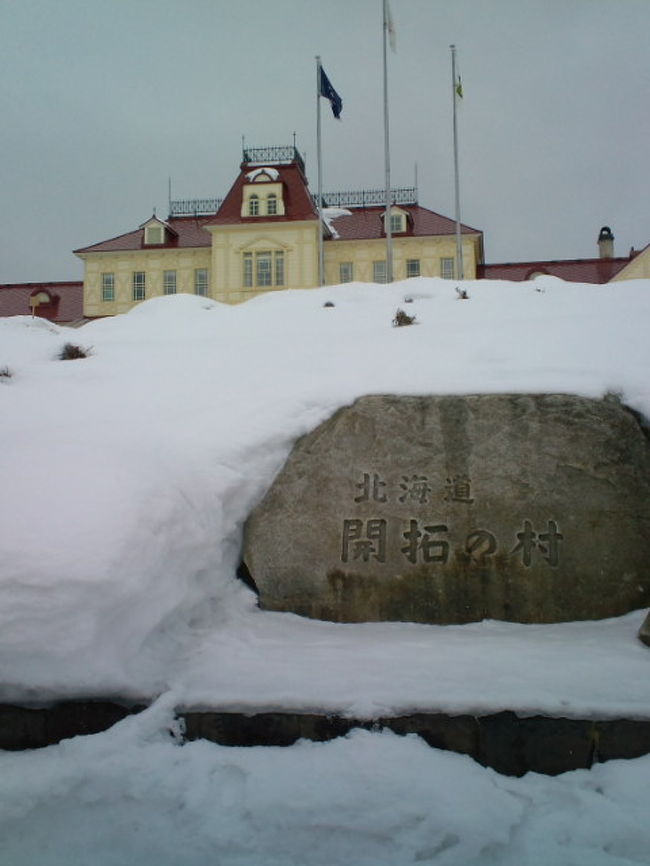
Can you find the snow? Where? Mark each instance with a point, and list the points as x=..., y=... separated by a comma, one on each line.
x=127, y=477
x=273, y=173
x=133, y=795
x=332, y=213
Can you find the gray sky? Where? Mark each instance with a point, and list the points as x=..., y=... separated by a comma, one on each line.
x=102, y=100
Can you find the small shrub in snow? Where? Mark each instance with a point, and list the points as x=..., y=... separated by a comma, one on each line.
x=70, y=352
x=328, y=304
x=462, y=294
x=408, y=300
x=5, y=373
x=402, y=318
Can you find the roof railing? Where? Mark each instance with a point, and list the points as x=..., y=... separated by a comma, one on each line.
x=347, y=198
x=368, y=197
x=281, y=155
x=194, y=206
x=275, y=155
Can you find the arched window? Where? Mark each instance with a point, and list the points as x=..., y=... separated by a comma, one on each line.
x=253, y=206
x=272, y=204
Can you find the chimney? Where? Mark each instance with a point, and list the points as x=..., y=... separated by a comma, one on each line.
x=606, y=243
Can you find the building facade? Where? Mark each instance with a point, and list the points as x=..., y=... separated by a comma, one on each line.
x=605, y=268
x=58, y=301
x=264, y=236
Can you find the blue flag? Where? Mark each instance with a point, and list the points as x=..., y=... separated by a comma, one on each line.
x=325, y=89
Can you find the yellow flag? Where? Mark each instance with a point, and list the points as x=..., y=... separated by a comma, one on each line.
x=390, y=27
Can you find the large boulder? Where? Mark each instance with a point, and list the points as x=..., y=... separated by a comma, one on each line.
x=644, y=631
x=529, y=508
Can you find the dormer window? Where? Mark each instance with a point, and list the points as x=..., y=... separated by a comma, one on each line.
x=263, y=194
x=154, y=234
x=157, y=232
x=398, y=220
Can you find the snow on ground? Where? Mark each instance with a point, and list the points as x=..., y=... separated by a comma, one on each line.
x=134, y=797
x=126, y=480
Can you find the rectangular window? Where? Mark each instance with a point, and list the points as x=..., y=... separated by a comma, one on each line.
x=395, y=223
x=201, y=281
x=279, y=268
x=379, y=271
x=271, y=205
x=345, y=272
x=108, y=287
x=413, y=267
x=169, y=282
x=263, y=267
x=139, y=285
x=248, y=270
x=447, y=268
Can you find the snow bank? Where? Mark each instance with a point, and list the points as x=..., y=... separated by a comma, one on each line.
x=133, y=795
x=128, y=476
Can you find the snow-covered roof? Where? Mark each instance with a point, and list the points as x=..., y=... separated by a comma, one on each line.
x=330, y=214
x=273, y=173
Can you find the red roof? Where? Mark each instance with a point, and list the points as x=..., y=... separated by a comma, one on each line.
x=366, y=223
x=66, y=304
x=186, y=232
x=573, y=270
x=362, y=223
x=298, y=203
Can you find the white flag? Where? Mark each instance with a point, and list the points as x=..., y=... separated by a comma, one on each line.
x=390, y=26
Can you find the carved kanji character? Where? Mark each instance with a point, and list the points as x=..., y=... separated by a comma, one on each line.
x=416, y=489
x=364, y=541
x=371, y=489
x=458, y=489
x=432, y=549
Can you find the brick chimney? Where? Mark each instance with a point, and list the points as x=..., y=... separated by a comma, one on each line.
x=606, y=243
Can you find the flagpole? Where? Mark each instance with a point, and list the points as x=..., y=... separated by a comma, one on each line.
x=319, y=159
x=389, y=236
x=459, y=243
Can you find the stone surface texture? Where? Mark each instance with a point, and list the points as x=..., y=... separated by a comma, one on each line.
x=508, y=743
x=451, y=509
x=644, y=631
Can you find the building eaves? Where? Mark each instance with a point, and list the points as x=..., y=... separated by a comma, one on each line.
x=68, y=296
x=596, y=270
x=367, y=223
x=186, y=232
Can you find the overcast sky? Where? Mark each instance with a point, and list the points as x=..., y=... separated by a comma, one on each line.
x=102, y=100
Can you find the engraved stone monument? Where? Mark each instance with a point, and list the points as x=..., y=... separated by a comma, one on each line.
x=529, y=508
x=644, y=631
